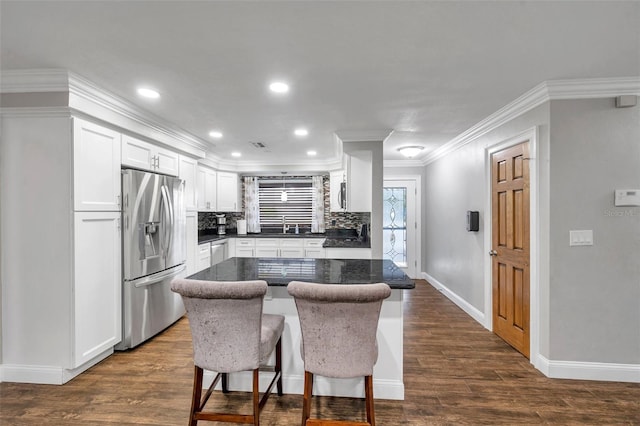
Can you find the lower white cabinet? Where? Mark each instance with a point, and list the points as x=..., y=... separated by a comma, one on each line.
x=313, y=248
x=97, y=318
x=245, y=247
x=279, y=247
x=204, y=256
x=348, y=253
x=192, y=242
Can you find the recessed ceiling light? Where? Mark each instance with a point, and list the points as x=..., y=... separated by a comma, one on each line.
x=236, y=154
x=148, y=93
x=301, y=132
x=311, y=153
x=279, y=87
x=410, y=151
x=215, y=134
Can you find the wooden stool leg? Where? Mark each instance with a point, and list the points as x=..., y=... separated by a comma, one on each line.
x=225, y=382
x=197, y=393
x=368, y=391
x=279, y=365
x=306, y=399
x=256, y=397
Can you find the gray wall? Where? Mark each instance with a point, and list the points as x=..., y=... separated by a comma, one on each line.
x=589, y=296
x=595, y=290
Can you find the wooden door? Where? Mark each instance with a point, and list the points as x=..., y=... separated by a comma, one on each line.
x=510, y=245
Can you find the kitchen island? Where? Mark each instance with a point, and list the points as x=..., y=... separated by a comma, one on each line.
x=278, y=272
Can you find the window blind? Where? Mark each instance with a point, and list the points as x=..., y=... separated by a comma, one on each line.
x=296, y=210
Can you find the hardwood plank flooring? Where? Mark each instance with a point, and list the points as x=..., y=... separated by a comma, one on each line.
x=456, y=373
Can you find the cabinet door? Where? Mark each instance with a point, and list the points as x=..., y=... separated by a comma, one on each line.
x=96, y=167
x=204, y=257
x=206, y=189
x=192, y=242
x=348, y=253
x=188, y=172
x=166, y=161
x=267, y=252
x=359, y=177
x=97, y=321
x=292, y=252
x=314, y=253
x=245, y=251
x=137, y=153
x=227, y=194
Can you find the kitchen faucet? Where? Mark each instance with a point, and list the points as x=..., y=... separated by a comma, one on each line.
x=285, y=227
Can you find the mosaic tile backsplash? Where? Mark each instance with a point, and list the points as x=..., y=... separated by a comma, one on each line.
x=333, y=220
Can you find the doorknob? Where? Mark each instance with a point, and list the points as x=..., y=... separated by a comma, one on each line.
x=493, y=253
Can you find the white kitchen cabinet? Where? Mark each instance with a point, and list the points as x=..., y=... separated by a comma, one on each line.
x=313, y=248
x=245, y=247
x=204, y=256
x=146, y=156
x=347, y=253
x=97, y=317
x=206, y=189
x=267, y=247
x=192, y=242
x=188, y=173
x=228, y=194
x=291, y=247
x=336, y=178
x=96, y=161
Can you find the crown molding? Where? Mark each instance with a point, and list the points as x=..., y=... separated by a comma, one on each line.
x=377, y=135
x=87, y=98
x=591, y=88
x=403, y=163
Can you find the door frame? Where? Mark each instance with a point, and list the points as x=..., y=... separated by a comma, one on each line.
x=530, y=135
x=417, y=179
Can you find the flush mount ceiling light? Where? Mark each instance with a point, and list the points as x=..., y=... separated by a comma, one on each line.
x=301, y=132
x=236, y=154
x=311, y=153
x=215, y=134
x=146, y=92
x=279, y=87
x=410, y=151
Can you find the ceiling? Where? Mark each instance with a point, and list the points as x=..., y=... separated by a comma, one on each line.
x=426, y=70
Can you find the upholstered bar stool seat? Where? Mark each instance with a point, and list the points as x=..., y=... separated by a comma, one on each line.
x=338, y=324
x=230, y=334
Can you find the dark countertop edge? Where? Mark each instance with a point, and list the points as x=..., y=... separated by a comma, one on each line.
x=393, y=285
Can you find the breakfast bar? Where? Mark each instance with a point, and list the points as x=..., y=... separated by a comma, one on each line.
x=278, y=272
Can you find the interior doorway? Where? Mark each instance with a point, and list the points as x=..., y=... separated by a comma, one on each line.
x=510, y=245
x=400, y=227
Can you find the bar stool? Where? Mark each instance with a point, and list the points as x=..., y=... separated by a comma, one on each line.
x=338, y=324
x=230, y=334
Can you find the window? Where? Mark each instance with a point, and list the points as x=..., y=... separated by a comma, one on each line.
x=297, y=209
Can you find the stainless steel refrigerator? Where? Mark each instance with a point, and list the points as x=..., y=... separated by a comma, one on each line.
x=154, y=252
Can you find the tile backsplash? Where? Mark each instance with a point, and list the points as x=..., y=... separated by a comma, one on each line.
x=333, y=220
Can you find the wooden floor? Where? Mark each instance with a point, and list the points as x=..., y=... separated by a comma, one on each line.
x=456, y=372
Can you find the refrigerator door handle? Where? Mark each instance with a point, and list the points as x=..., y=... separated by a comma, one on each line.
x=169, y=215
x=156, y=278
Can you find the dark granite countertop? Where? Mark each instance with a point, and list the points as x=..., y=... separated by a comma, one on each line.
x=332, y=240
x=280, y=271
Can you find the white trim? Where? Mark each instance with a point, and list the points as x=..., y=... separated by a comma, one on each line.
x=378, y=135
x=41, y=112
x=402, y=163
x=322, y=386
x=48, y=375
x=543, y=92
x=471, y=310
x=34, y=80
x=530, y=135
x=590, y=370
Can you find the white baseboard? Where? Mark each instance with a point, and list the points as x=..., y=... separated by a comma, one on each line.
x=44, y=374
x=322, y=386
x=589, y=370
x=460, y=302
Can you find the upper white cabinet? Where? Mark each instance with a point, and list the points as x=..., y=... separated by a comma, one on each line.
x=97, y=319
x=96, y=167
x=359, y=177
x=188, y=172
x=228, y=193
x=206, y=189
x=143, y=155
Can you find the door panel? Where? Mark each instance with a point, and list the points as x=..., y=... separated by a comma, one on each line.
x=510, y=222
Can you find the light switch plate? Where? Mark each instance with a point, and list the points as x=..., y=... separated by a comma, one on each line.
x=581, y=238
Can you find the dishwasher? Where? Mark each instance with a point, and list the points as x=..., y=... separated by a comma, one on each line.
x=219, y=252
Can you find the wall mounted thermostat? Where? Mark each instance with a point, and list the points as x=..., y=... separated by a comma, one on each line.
x=627, y=198
x=473, y=221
